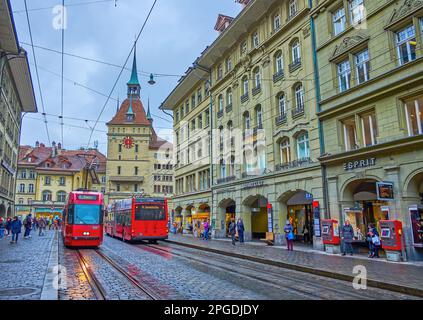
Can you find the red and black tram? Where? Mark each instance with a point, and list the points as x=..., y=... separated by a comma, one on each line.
x=140, y=218
x=82, y=223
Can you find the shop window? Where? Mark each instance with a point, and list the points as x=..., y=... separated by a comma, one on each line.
x=369, y=129
x=350, y=134
x=339, y=21
x=344, y=75
x=362, y=66
x=406, y=44
x=285, y=151
x=303, y=146
x=414, y=116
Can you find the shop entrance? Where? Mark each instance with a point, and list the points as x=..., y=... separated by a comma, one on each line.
x=188, y=226
x=415, y=209
x=259, y=223
x=178, y=220
x=199, y=217
x=300, y=214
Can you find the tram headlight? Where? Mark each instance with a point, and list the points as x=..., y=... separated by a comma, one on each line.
x=86, y=233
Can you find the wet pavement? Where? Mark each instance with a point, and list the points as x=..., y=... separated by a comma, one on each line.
x=401, y=274
x=23, y=266
x=170, y=271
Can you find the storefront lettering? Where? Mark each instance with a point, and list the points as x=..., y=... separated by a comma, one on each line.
x=352, y=165
x=254, y=184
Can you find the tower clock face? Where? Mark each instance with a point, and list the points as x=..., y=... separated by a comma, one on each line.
x=128, y=142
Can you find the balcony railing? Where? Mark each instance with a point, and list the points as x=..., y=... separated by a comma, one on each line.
x=220, y=114
x=299, y=110
x=229, y=108
x=280, y=119
x=256, y=90
x=294, y=164
x=295, y=65
x=278, y=76
x=226, y=179
x=245, y=97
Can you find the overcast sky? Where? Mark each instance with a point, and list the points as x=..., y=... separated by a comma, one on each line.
x=177, y=32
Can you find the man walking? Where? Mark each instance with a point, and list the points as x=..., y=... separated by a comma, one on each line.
x=240, y=228
x=16, y=229
x=28, y=226
x=8, y=226
x=41, y=226
x=347, y=234
x=232, y=230
x=206, y=230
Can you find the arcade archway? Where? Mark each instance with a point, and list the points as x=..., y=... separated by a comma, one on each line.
x=178, y=219
x=2, y=211
x=227, y=210
x=256, y=206
x=9, y=212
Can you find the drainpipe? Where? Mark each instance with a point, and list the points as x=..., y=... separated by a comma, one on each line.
x=318, y=109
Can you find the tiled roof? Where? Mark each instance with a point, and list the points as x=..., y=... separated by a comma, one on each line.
x=137, y=108
x=65, y=160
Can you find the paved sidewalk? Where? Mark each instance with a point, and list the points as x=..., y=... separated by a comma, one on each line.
x=23, y=266
x=401, y=277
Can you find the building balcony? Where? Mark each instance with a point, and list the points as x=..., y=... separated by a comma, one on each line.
x=229, y=108
x=278, y=76
x=256, y=90
x=295, y=65
x=294, y=164
x=127, y=179
x=298, y=111
x=280, y=119
x=4, y=191
x=226, y=179
x=220, y=114
x=245, y=98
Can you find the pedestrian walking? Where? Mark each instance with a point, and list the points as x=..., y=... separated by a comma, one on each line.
x=28, y=226
x=347, y=236
x=206, y=230
x=16, y=228
x=1, y=228
x=306, y=234
x=232, y=230
x=289, y=235
x=34, y=224
x=240, y=229
x=8, y=226
x=375, y=240
x=41, y=226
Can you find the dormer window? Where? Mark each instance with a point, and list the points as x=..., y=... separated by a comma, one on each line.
x=130, y=117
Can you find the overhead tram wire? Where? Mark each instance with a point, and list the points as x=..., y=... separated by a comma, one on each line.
x=36, y=71
x=141, y=73
x=63, y=66
x=121, y=71
x=69, y=5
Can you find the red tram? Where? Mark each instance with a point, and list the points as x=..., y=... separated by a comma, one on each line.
x=140, y=218
x=82, y=223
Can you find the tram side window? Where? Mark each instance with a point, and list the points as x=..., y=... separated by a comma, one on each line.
x=71, y=211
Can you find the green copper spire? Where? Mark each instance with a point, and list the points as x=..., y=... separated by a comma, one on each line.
x=134, y=76
x=149, y=117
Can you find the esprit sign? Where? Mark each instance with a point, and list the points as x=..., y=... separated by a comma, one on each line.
x=365, y=163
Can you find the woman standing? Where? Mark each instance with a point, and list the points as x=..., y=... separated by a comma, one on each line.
x=289, y=235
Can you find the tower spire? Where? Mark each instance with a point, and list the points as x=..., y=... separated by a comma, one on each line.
x=149, y=117
x=134, y=86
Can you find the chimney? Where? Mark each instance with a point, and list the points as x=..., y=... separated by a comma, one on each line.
x=222, y=23
x=53, y=144
x=59, y=146
x=37, y=144
x=243, y=2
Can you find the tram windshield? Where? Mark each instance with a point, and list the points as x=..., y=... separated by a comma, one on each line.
x=84, y=214
x=149, y=212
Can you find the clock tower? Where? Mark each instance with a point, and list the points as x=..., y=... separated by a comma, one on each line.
x=132, y=150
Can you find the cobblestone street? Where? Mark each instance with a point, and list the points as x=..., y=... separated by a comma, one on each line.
x=168, y=271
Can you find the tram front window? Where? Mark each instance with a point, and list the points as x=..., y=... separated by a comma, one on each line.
x=86, y=214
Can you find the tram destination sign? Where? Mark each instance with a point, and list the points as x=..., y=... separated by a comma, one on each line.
x=357, y=164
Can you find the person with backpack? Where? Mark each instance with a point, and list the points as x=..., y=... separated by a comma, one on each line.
x=375, y=240
x=232, y=230
x=16, y=228
x=289, y=235
x=28, y=226
x=240, y=228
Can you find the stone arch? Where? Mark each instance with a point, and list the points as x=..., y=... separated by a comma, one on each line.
x=9, y=212
x=350, y=184
x=413, y=185
x=255, y=215
x=226, y=211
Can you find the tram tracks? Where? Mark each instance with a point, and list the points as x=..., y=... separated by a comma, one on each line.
x=288, y=283
x=98, y=289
